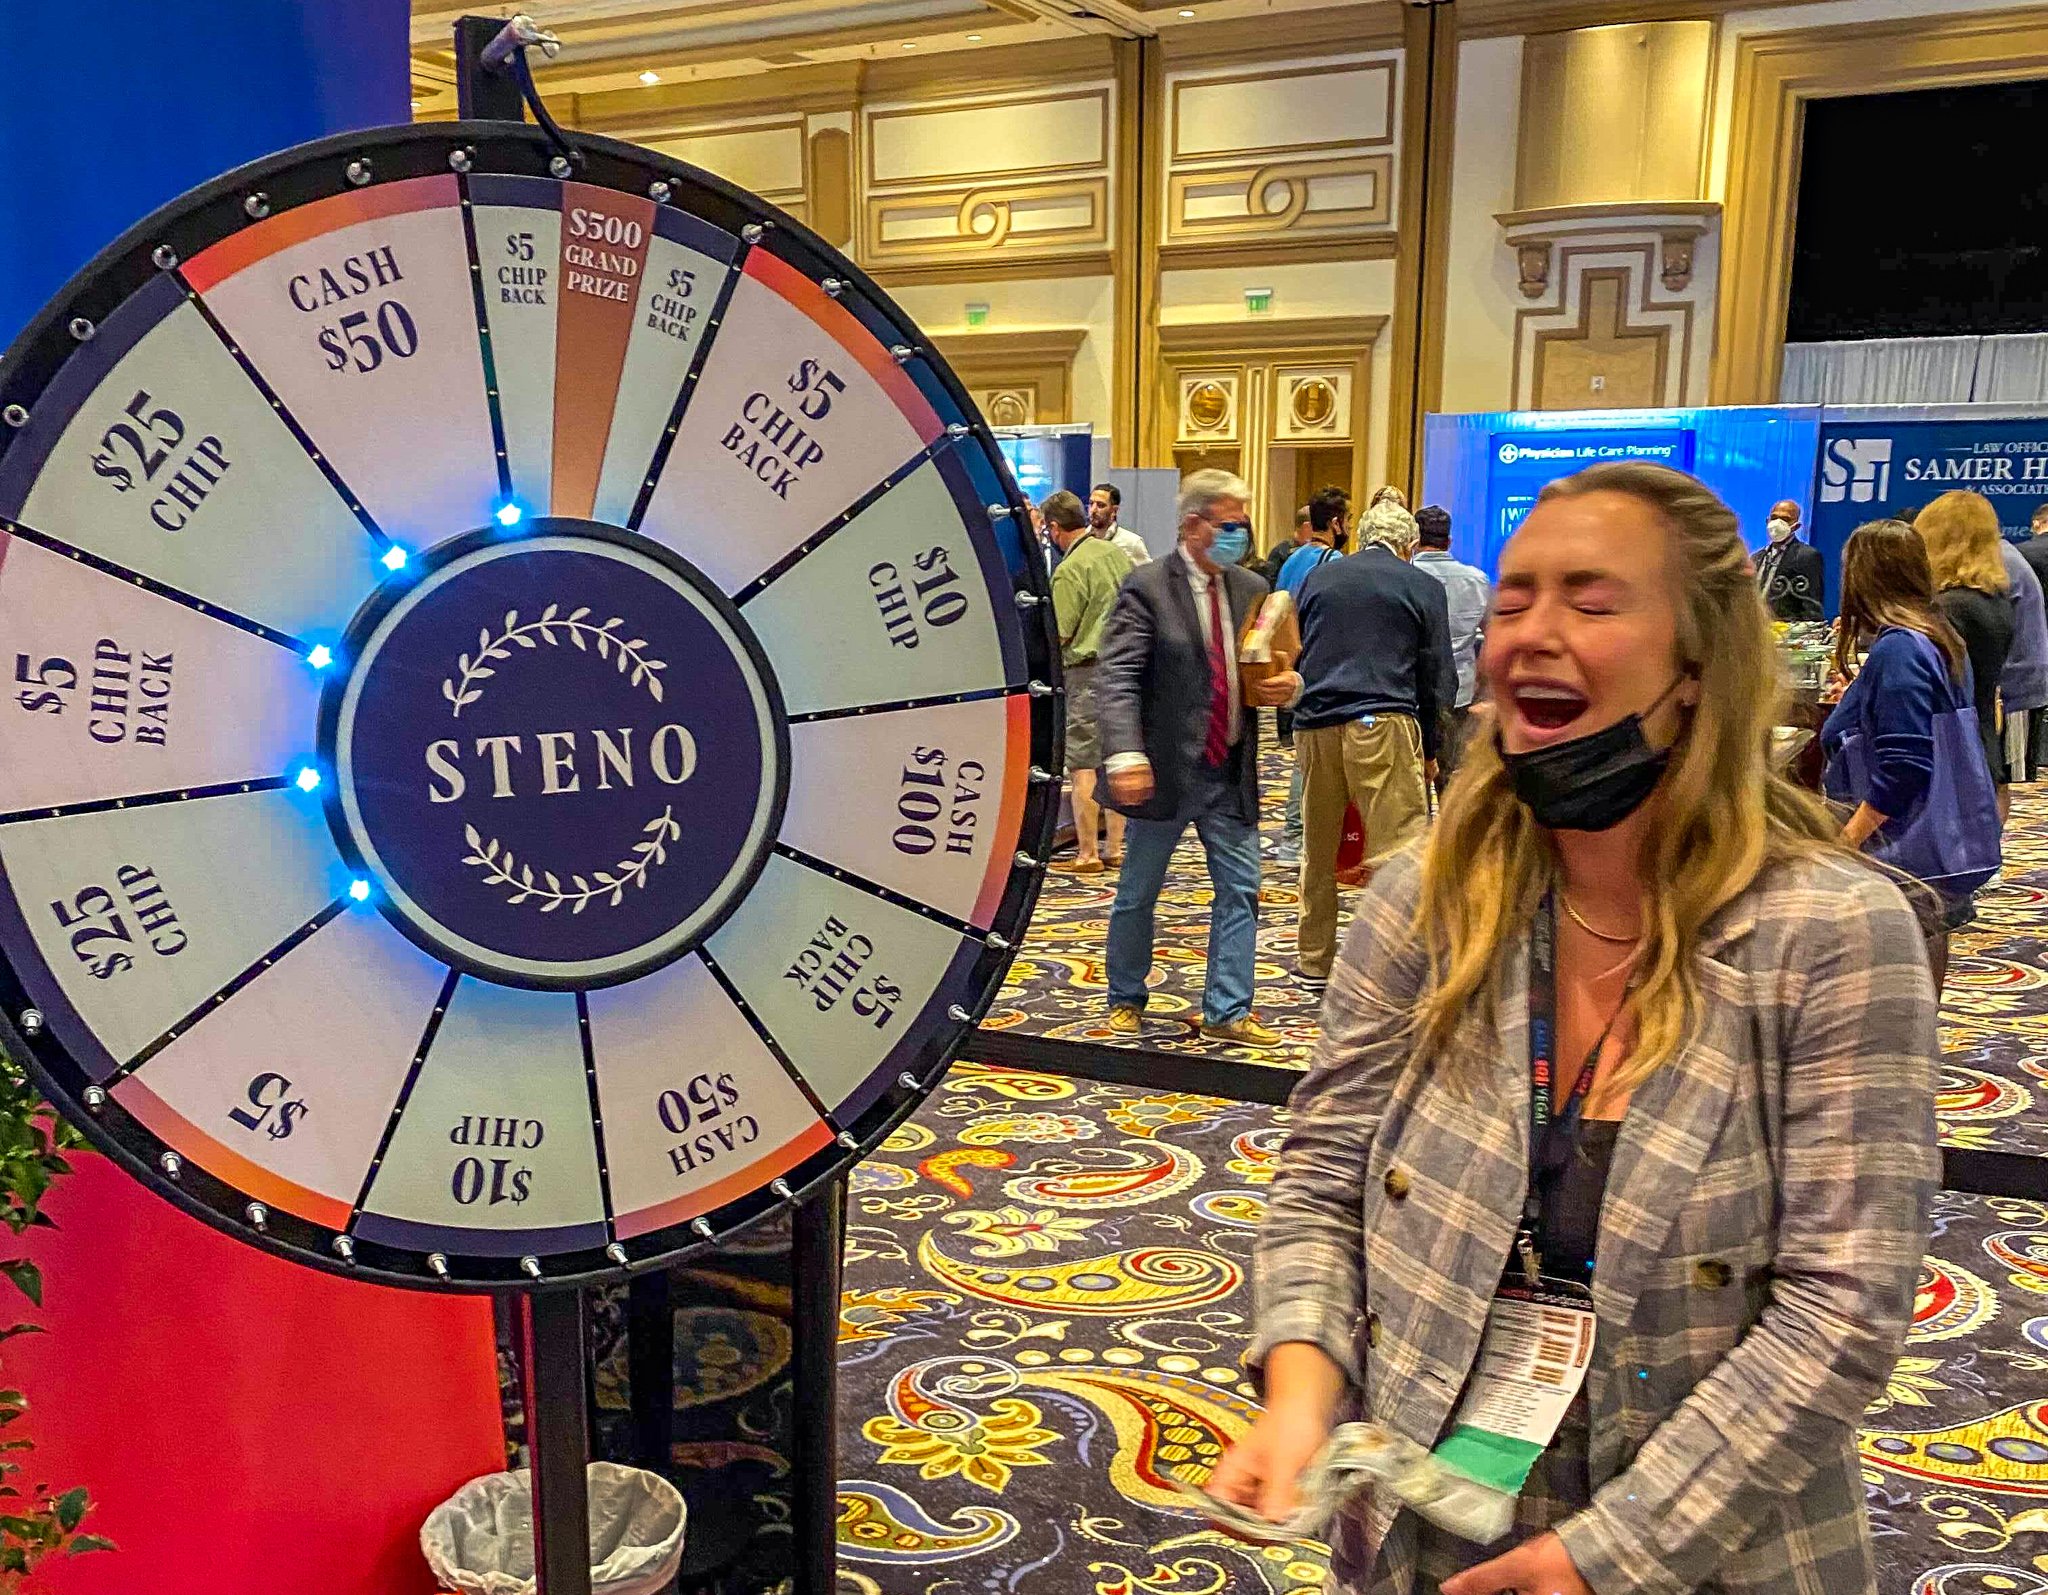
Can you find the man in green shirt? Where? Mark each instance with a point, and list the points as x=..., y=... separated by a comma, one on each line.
x=1084, y=585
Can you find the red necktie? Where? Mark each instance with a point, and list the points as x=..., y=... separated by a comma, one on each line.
x=1217, y=748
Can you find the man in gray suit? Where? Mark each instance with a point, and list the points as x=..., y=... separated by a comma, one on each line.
x=1181, y=747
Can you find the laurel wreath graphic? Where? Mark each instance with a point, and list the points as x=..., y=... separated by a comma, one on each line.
x=551, y=628
x=502, y=869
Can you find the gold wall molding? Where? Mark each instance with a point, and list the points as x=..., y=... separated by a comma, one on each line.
x=1275, y=199
x=952, y=123
x=1134, y=295
x=968, y=273
x=1030, y=368
x=1430, y=45
x=1775, y=75
x=1286, y=252
x=781, y=144
x=1233, y=392
x=1483, y=19
x=830, y=188
x=1535, y=234
x=1009, y=177
x=1608, y=319
x=1301, y=337
x=1376, y=25
x=1242, y=164
x=822, y=86
x=1031, y=68
x=1021, y=220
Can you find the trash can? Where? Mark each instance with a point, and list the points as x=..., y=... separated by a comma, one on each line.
x=480, y=1540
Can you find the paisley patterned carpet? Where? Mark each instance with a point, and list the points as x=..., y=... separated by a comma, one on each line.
x=1995, y=1091
x=1046, y=1298
x=1058, y=985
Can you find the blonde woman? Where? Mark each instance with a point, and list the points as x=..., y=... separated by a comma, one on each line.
x=1630, y=946
x=1975, y=597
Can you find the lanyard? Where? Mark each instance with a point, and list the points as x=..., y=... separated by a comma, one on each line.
x=1543, y=1109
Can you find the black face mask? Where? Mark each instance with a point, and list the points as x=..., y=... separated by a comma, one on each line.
x=1594, y=782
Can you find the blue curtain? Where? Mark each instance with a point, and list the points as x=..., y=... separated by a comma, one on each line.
x=116, y=106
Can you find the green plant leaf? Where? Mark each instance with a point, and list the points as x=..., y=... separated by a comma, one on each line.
x=27, y=1278
x=70, y=1508
x=89, y=1542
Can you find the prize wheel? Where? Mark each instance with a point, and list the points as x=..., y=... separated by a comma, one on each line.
x=528, y=707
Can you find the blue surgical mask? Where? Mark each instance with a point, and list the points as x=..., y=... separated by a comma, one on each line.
x=1233, y=542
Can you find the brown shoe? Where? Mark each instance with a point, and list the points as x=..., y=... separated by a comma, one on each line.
x=1113, y=860
x=1246, y=1032
x=1080, y=866
x=1126, y=1021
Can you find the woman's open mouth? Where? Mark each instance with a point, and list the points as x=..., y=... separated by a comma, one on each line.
x=1545, y=706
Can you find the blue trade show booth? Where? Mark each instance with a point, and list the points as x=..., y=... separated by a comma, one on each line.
x=1843, y=465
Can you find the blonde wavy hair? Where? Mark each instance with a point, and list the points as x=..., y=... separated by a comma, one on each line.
x=1961, y=533
x=1725, y=813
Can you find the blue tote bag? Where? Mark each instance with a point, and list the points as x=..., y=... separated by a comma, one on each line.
x=1950, y=838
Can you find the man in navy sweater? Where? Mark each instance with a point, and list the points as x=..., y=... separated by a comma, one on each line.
x=1377, y=676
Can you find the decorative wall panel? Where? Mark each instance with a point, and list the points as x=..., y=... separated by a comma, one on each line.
x=1312, y=404
x=1208, y=406
x=1275, y=400
x=1302, y=152
x=1620, y=313
x=961, y=178
x=768, y=155
x=1021, y=378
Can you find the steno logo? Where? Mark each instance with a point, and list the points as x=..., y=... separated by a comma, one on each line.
x=560, y=759
x=1858, y=470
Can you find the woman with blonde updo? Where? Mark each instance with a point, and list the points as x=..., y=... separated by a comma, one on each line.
x=1630, y=1018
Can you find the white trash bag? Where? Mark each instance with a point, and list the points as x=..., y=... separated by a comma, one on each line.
x=480, y=1540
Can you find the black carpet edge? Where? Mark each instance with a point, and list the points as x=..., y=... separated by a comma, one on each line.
x=1967, y=1171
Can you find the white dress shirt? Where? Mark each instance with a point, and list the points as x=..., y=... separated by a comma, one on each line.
x=1198, y=584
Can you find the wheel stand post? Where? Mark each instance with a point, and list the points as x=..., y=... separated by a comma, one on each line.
x=818, y=1236
x=481, y=92
x=551, y=1359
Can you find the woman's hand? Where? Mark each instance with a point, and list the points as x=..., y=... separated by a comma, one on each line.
x=1262, y=1470
x=1539, y=1567
x=1303, y=1387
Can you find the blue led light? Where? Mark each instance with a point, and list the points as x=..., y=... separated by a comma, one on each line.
x=321, y=656
x=510, y=514
x=359, y=890
x=394, y=558
x=307, y=779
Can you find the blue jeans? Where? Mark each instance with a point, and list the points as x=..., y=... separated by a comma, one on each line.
x=1232, y=848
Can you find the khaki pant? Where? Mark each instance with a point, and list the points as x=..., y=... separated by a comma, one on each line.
x=1376, y=764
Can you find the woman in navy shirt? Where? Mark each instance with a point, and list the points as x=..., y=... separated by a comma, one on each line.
x=1892, y=699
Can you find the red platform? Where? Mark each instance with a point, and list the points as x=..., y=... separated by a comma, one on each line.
x=246, y=1426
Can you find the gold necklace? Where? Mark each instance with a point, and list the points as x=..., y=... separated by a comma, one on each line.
x=1593, y=930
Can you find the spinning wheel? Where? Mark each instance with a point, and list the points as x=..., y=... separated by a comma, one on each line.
x=525, y=728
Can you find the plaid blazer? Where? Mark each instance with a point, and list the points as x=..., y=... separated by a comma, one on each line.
x=1759, y=1242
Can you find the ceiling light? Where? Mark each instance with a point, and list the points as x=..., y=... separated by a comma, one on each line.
x=974, y=38
x=650, y=78
x=1185, y=12
x=908, y=45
